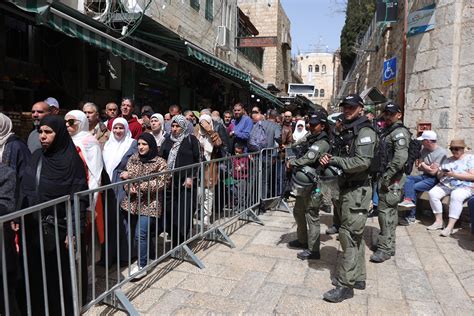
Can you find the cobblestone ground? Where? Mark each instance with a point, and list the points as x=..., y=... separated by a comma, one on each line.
x=429, y=275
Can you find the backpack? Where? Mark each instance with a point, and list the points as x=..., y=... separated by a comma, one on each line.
x=383, y=153
x=258, y=138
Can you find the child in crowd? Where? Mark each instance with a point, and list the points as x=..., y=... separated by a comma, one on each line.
x=240, y=174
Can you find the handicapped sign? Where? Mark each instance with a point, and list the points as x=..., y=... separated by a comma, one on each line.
x=389, y=74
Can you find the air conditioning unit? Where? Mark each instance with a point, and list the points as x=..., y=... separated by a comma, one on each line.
x=223, y=37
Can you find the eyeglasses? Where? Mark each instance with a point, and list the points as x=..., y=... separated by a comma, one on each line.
x=456, y=148
x=70, y=122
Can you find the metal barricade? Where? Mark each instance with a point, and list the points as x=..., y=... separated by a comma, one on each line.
x=37, y=247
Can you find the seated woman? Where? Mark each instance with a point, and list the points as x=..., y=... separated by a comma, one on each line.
x=144, y=200
x=456, y=176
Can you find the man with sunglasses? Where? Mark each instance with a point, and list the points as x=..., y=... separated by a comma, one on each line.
x=394, y=141
x=353, y=154
x=431, y=156
x=38, y=111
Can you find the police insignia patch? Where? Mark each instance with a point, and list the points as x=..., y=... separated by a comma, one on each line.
x=365, y=140
x=311, y=155
x=402, y=142
x=399, y=135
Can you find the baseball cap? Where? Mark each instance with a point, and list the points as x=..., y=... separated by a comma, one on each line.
x=317, y=118
x=353, y=100
x=52, y=102
x=392, y=108
x=428, y=135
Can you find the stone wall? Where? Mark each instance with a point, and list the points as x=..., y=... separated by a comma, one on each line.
x=439, y=86
x=270, y=19
x=322, y=80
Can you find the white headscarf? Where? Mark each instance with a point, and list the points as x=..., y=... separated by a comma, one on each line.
x=5, y=132
x=160, y=137
x=204, y=138
x=115, y=149
x=297, y=135
x=89, y=147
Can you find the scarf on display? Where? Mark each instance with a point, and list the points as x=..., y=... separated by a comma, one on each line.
x=89, y=147
x=297, y=135
x=160, y=137
x=5, y=132
x=152, y=152
x=204, y=138
x=181, y=121
x=115, y=148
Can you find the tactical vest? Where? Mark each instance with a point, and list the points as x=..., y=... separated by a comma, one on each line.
x=344, y=143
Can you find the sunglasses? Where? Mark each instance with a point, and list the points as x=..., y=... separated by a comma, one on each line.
x=456, y=148
x=70, y=122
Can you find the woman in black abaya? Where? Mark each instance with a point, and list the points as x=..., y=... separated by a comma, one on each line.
x=55, y=171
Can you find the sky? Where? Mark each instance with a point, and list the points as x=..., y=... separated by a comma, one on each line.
x=314, y=23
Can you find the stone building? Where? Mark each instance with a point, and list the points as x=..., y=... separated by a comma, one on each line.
x=319, y=69
x=435, y=83
x=271, y=20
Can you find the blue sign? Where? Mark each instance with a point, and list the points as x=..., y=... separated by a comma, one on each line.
x=422, y=20
x=389, y=71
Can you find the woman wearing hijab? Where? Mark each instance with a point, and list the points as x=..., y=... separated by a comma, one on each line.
x=117, y=151
x=157, y=122
x=212, y=147
x=181, y=149
x=53, y=172
x=144, y=200
x=14, y=153
x=300, y=131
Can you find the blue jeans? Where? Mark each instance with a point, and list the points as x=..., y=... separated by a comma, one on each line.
x=415, y=184
x=143, y=237
x=470, y=205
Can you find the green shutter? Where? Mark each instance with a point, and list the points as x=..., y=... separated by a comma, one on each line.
x=194, y=4
x=209, y=10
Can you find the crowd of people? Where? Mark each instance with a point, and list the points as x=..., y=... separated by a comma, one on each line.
x=89, y=148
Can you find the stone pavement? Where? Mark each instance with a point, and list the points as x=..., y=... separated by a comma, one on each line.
x=429, y=275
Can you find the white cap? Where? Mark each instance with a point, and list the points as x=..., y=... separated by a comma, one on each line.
x=428, y=135
x=52, y=102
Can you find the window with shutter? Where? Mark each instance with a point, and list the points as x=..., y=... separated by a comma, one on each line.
x=209, y=10
x=194, y=4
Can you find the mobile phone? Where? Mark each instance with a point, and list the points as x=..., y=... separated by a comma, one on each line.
x=445, y=170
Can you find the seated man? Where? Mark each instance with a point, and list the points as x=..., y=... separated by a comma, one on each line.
x=431, y=156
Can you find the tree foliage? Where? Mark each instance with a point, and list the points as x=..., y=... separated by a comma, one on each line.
x=359, y=14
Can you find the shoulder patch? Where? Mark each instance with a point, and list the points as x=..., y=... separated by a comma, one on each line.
x=311, y=154
x=366, y=140
x=402, y=142
x=315, y=147
x=399, y=135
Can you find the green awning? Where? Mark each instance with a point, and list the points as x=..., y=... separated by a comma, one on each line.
x=216, y=63
x=264, y=93
x=75, y=24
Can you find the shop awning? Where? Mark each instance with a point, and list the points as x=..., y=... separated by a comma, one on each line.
x=75, y=24
x=208, y=59
x=264, y=93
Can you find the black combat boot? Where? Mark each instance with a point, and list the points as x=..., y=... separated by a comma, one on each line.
x=338, y=294
x=296, y=244
x=309, y=255
x=379, y=257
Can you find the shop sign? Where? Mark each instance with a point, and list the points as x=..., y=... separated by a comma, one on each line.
x=262, y=41
x=421, y=21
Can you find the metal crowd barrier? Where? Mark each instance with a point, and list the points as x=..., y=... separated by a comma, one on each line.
x=106, y=252
x=37, y=260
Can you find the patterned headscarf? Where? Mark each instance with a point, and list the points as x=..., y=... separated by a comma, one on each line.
x=5, y=132
x=181, y=121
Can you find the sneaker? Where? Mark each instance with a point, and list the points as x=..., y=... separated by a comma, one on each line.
x=446, y=232
x=140, y=273
x=308, y=255
x=407, y=204
x=435, y=226
x=407, y=221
